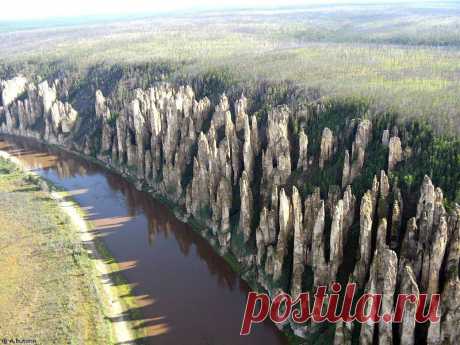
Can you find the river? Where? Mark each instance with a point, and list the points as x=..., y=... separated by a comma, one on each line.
x=186, y=293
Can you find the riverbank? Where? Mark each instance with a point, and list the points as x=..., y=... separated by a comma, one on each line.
x=59, y=280
x=196, y=225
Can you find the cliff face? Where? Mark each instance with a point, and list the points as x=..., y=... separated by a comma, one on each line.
x=40, y=114
x=244, y=182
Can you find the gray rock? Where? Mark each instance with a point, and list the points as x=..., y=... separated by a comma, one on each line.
x=12, y=89
x=408, y=286
x=285, y=225
x=246, y=208
x=327, y=147
x=365, y=239
x=395, y=153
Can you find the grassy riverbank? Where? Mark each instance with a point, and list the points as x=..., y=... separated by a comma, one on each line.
x=48, y=289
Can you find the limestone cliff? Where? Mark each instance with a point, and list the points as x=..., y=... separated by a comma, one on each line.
x=255, y=183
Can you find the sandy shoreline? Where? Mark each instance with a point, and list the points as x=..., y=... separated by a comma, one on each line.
x=113, y=307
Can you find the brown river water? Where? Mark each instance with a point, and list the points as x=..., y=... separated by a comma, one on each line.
x=187, y=294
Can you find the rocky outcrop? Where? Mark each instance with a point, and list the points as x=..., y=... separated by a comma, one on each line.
x=299, y=252
x=349, y=206
x=200, y=112
x=432, y=262
x=101, y=108
x=285, y=233
x=248, y=150
x=312, y=207
x=255, y=135
x=221, y=214
x=276, y=160
x=320, y=267
x=358, y=150
x=220, y=113
x=453, y=256
x=395, y=153
x=230, y=172
x=266, y=233
x=63, y=117
x=447, y=331
x=12, y=89
x=269, y=262
x=433, y=232
x=103, y=113
x=302, y=163
x=426, y=201
x=382, y=280
x=327, y=147
x=198, y=199
x=382, y=234
x=383, y=200
x=262, y=236
x=240, y=113
x=336, y=240
x=365, y=239
x=411, y=249
x=374, y=193
x=246, y=207
x=353, y=164
x=58, y=119
x=346, y=169
x=408, y=286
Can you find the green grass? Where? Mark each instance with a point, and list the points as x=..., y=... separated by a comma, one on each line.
x=48, y=282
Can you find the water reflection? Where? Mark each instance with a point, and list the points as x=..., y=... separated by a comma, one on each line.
x=185, y=293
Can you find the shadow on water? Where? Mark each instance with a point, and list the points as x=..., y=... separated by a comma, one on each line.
x=186, y=294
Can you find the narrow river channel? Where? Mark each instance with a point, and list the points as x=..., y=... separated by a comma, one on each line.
x=187, y=294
